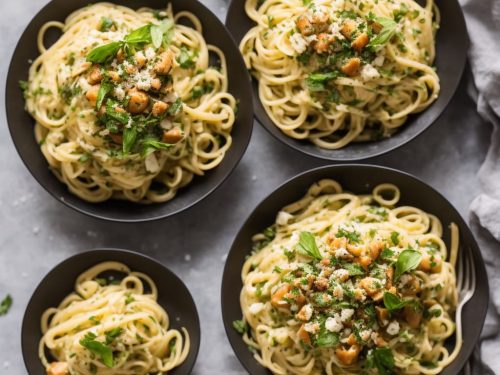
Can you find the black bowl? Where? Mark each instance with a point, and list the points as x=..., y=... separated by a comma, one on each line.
x=359, y=179
x=21, y=123
x=173, y=296
x=451, y=49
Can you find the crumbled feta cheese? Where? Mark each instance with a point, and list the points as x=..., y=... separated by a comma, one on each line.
x=151, y=163
x=369, y=72
x=335, y=31
x=342, y=253
x=298, y=43
x=119, y=93
x=379, y=60
x=393, y=328
x=280, y=335
x=283, y=218
x=346, y=314
x=311, y=327
x=256, y=308
x=365, y=335
x=333, y=324
x=143, y=80
x=404, y=280
x=150, y=53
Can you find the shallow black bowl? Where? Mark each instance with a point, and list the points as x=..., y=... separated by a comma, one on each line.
x=359, y=179
x=21, y=124
x=451, y=49
x=173, y=296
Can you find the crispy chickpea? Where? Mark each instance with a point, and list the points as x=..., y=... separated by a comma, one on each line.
x=172, y=136
x=115, y=77
x=351, y=67
x=164, y=64
x=277, y=297
x=95, y=76
x=159, y=108
x=92, y=94
x=58, y=368
x=139, y=101
x=304, y=335
x=305, y=26
x=348, y=27
x=156, y=84
x=322, y=43
x=360, y=42
x=348, y=356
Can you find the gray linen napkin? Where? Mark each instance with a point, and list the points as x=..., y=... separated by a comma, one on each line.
x=483, y=24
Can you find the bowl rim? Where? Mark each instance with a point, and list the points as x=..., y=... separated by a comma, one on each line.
x=297, y=145
x=112, y=251
x=474, y=247
x=76, y=207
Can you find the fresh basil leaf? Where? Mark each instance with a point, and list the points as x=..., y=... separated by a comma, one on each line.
x=99, y=349
x=122, y=117
x=395, y=238
x=129, y=138
x=392, y=302
x=175, y=108
x=307, y=246
x=317, y=81
x=104, y=53
x=113, y=334
x=167, y=27
x=327, y=339
x=386, y=254
x=23, y=85
x=389, y=28
x=5, y=305
x=140, y=35
x=353, y=237
x=156, y=36
x=408, y=260
x=106, y=24
x=382, y=359
x=240, y=326
x=186, y=58
x=151, y=145
x=162, y=33
x=105, y=88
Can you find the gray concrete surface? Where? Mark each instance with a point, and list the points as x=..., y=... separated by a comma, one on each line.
x=36, y=232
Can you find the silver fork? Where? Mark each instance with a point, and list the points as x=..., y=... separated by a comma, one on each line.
x=466, y=285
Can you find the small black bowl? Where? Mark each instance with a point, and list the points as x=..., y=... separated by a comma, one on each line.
x=451, y=55
x=359, y=179
x=21, y=123
x=173, y=296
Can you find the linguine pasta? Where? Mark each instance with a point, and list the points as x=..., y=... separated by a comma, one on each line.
x=128, y=104
x=350, y=284
x=342, y=71
x=108, y=327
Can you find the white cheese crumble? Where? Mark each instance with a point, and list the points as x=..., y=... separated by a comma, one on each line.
x=369, y=72
x=150, y=53
x=342, y=253
x=365, y=335
x=311, y=327
x=346, y=314
x=393, y=328
x=283, y=218
x=151, y=163
x=333, y=324
x=298, y=43
x=119, y=93
x=379, y=60
x=256, y=308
